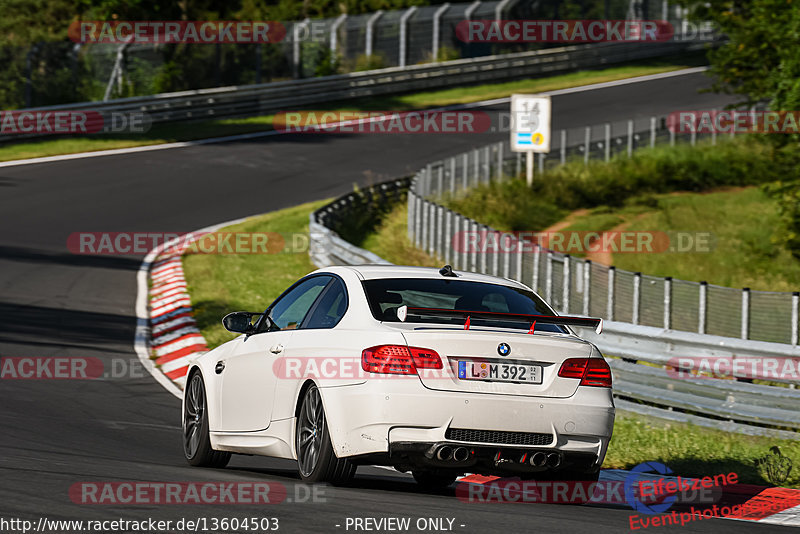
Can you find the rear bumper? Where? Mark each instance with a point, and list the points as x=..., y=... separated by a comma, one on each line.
x=380, y=415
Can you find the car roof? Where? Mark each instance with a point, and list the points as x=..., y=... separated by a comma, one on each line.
x=372, y=272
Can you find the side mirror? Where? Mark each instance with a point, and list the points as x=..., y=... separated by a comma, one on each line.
x=239, y=322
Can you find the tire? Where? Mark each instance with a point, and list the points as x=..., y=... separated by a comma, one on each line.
x=431, y=480
x=196, y=442
x=316, y=459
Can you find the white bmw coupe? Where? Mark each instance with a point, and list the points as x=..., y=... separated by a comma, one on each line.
x=431, y=371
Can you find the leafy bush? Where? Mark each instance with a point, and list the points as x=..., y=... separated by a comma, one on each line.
x=512, y=205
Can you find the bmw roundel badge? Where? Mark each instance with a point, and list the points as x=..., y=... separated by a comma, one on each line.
x=503, y=349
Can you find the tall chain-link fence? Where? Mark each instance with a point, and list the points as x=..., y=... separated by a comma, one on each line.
x=51, y=73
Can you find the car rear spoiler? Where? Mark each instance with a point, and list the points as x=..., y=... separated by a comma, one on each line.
x=404, y=312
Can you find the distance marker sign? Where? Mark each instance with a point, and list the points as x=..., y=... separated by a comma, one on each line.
x=530, y=123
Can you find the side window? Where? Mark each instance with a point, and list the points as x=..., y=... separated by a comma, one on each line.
x=292, y=308
x=331, y=307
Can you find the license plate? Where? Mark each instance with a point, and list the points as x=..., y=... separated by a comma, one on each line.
x=500, y=372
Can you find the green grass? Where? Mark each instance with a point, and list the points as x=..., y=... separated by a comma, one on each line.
x=693, y=451
x=742, y=222
x=220, y=283
x=390, y=241
x=427, y=99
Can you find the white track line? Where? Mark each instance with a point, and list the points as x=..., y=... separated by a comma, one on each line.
x=256, y=135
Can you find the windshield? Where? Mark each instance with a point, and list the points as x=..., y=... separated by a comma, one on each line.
x=386, y=295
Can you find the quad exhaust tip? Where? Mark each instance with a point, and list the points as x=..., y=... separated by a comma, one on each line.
x=538, y=459
x=444, y=453
x=461, y=454
x=553, y=460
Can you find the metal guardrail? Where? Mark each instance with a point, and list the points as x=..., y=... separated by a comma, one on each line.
x=237, y=101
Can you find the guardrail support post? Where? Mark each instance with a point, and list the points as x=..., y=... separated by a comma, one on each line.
x=548, y=280
x=507, y=255
x=714, y=129
x=496, y=237
x=608, y=142
x=701, y=312
x=500, y=161
x=667, y=302
x=440, y=232
x=428, y=180
x=587, y=284
x=437, y=22
x=518, y=269
x=487, y=170
x=477, y=240
x=371, y=32
x=586, y=144
x=630, y=138
x=465, y=170
x=404, y=35
x=412, y=204
x=745, y=313
x=424, y=226
x=476, y=166
x=653, y=131
x=484, y=259
x=566, y=279
x=440, y=180
x=610, y=304
x=637, y=288
x=537, y=250
x=672, y=136
x=453, y=174
x=433, y=229
x=563, y=147
x=795, y=316
x=693, y=137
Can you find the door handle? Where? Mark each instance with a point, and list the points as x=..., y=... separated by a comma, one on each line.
x=276, y=349
x=219, y=367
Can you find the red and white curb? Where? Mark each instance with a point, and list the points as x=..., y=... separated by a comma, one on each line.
x=167, y=338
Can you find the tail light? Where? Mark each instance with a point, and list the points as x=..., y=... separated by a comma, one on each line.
x=399, y=359
x=591, y=371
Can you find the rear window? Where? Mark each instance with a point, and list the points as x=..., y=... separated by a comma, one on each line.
x=386, y=295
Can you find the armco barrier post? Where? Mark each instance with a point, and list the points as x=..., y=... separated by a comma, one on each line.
x=637, y=288
x=485, y=238
x=587, y=285
x=477, y=241
x=411, y=222
x=518, y=268
x=433, y=229
x=612, y=271
x=507, y=260
x=548, y=281
x=536, y=254
x=465, y=170
x=487, y=164
x=453, y=174
x=587, y=138
x=701, y=309
x=424, y=226
x=476, y=166
x=795, y=315
x=496, y=256
x=667, y=302
x=652, y=132
x=566, y=279
x=440, y=180
x=499, y=161
x=563, y=147
x=630, y=138
x=447, y=253
x=745, y=313
x=607, y=142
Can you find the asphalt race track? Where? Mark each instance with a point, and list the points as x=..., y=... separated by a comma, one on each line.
x=56, y=433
